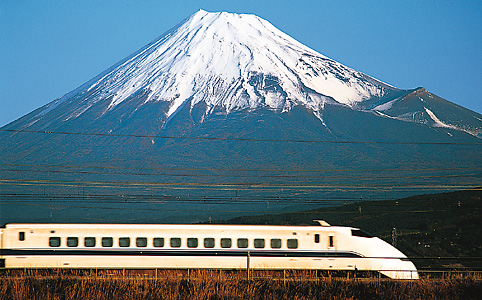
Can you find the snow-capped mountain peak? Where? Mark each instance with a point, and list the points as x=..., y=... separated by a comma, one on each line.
x=230, y=61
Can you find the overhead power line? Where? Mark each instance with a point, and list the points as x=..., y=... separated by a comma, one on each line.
x=237, y=139
x=184, y=209
x=241, y=186
x=326, y=177
x=401, y=169
x=153, y=199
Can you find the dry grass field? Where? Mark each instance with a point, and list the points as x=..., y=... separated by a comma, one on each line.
x=168, y=284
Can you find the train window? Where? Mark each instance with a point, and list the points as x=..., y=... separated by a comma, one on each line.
x=225, y=243
x=258, y=243
x=107, y=242
x=331, y=241
x=124, y=242
x=275, y=243
x=89, y=241
x=72, y=241
x=192, y=242
x=175, y=242
x=361, y=233
x=54, y=241
x=317, y=238
x=209, y=243
x=158, y=242
x=21, y=236
x=292, y=243
x=242, y=243
x=141, y=242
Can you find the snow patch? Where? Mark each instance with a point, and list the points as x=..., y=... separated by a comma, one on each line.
x=319, y=116
x=385, y=115
x=386, y=106
x=441, y=124
x=437, y=122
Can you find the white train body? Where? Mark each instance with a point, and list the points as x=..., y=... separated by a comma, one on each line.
x=199, y=246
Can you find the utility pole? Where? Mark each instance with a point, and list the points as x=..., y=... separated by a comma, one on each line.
x=394, y=236
x=248, y=264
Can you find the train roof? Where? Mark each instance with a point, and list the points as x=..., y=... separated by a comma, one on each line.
x=322, y=224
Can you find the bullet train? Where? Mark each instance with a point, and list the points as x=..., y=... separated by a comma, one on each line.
x=113, y=246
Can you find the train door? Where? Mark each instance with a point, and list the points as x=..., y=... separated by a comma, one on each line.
x=2, y=259
x=331, y=247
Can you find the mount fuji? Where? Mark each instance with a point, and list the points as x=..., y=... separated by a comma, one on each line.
x=226, y=106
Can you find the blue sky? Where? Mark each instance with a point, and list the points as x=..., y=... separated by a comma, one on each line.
x=48, y=48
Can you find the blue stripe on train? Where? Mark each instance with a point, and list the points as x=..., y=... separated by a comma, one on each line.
x=170, y=252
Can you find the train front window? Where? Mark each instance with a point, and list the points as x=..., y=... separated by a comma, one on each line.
x=107, y=242
x=158, y=242
x=21, y=236
x=258, y=243
x=242, y=243
x=72, y=241
x=54, y=241
x=89, y=242
x=292, y=243
x=175, y=242
x=192, y=242
x=275, y=243
x=209, y=243
x=124, y=242
x=225, y=243
x=360, y=233
x=141, y=242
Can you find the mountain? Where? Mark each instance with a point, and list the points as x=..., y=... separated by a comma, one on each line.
x=220, y=61
x=224, y=112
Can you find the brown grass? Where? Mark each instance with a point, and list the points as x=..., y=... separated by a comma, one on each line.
x=209, y=284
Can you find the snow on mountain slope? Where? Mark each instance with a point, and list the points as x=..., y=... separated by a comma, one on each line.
x=233, y=61
x=421, y=106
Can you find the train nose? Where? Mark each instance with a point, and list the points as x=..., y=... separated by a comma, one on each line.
x=399, y=269
x=391, y=262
